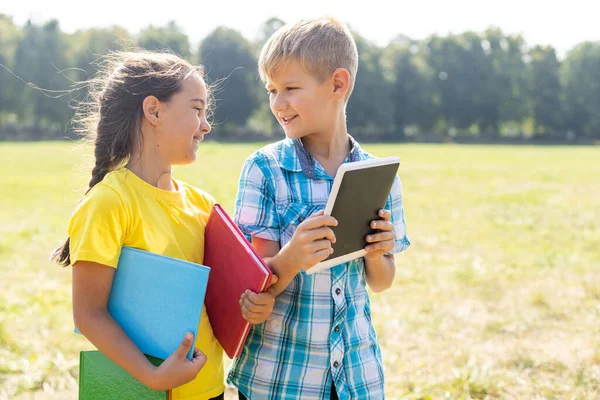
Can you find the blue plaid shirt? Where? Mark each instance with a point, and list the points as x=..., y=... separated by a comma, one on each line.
x=320, y=331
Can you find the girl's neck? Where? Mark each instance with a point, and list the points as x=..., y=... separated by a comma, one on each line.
x=151, y=171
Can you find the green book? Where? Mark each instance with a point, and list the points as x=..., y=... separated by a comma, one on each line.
x=102, y=379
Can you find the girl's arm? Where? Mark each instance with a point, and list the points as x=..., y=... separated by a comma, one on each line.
x=91, y=288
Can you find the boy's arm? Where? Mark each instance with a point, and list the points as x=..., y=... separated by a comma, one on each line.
x=269, y=250
x=389, y=237
x=380, y=267
x=256, y=215
x=310, y=244
x=380, y=272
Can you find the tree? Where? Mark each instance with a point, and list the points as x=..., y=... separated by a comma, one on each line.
x=456, y=62
x=410, y=80
x=267, y=29
x=169, y=38
x=581, y=74
x=10, y=35
x=545, y=90
x=505, y=92
x=514, y=105
x=88, y=46
x=40, y=59
x=369, y=107
x=231, y=69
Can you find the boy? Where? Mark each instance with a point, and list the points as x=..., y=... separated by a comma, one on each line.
x=318, y=342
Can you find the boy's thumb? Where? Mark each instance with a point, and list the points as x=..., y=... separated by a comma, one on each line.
x=186, y=345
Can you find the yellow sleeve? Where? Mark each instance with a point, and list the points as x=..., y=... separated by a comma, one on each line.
x=97, y=228
x=199, y=198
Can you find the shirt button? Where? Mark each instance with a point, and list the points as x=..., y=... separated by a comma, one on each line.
x=338, y=291
x=337, y=329
x=336, y=364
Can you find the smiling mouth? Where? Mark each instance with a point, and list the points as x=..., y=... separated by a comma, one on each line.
x=288, y=120
x=198, y=139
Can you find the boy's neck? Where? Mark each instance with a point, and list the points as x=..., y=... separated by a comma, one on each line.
x=330, y=150
x=327, y=147
x=332, y=143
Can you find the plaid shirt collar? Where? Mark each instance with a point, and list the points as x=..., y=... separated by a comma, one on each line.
x=295, y=158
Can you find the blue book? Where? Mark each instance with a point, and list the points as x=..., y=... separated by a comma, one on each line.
x=157, y=299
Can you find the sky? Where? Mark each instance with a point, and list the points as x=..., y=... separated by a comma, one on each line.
x=562, y=24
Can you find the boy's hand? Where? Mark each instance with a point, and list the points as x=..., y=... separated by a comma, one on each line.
x=311, y=242
x=382, y=241
x=178, y=370
x=257, y=307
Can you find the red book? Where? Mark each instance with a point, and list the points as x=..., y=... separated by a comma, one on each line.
x=235, y=267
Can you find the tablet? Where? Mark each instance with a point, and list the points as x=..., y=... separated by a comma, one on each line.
x=360, y=189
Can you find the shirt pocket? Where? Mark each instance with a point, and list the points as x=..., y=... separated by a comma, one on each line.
x=291, y=215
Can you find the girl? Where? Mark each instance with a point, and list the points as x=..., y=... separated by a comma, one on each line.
x=148, y=113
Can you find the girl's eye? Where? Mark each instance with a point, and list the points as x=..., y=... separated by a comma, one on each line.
x=292, y=88
x=199, y=109
x=273, y=91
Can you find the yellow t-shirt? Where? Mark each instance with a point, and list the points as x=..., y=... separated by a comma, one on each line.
x=124, y=210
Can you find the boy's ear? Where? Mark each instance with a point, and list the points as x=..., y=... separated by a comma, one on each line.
x=341, y=83
x=151, y=107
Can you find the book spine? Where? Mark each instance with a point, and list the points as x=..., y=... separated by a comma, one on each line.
x=240, y=344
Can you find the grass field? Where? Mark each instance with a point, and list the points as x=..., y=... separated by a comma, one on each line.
x=497, y=298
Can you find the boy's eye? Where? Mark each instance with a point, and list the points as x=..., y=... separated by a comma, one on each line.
x=291, y=88
x=272, y=91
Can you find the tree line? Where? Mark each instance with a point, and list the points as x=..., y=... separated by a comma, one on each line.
x=488, y=85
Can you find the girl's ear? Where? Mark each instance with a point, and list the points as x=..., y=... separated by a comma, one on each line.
x=341, y=83
x=151, y=107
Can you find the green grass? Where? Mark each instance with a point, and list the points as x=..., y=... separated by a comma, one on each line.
x=498, y=297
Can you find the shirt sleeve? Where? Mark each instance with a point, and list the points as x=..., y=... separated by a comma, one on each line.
x=98, y=226
x=255, y=212
x=394, y=204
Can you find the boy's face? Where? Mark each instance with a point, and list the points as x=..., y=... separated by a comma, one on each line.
x=301, y=104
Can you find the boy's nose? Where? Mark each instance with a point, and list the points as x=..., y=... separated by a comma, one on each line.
x=278, y=105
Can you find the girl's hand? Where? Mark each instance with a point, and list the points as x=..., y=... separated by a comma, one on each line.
x=257, y=307
x=177, y=370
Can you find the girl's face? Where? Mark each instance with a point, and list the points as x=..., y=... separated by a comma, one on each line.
x=183, y=122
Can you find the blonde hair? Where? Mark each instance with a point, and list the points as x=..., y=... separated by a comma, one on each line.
x=320, y=45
